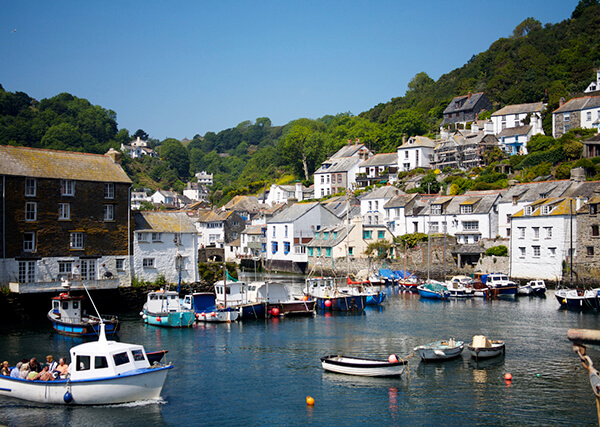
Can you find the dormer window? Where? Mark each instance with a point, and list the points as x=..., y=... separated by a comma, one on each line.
x=528, y=210
x=466, y=209
x=436, y=209
x=546, y=210
x=593, y=208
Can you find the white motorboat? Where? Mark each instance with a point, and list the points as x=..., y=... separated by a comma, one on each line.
x=538, y=287
x=364, y=367
x=101, y=373
x=279, y=299
x=459, y=287
x=163, y=308
x=483, y=348
x=440, y=350
x=524, y=289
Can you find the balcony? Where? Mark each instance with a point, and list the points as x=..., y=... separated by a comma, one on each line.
x=55, y=286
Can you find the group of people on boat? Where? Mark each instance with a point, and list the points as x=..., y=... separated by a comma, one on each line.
x=32, y=370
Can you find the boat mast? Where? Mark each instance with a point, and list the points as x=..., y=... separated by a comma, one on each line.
x=571, y=240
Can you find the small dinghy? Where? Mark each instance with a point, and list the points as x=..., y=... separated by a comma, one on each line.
x=364, y=367
x=440, y=350
x=482, y=348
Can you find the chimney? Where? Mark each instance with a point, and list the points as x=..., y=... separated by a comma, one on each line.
x=403, y=138
x=349, y=142
x=561, y=102
x=578, y=174
x=114, y=155
x=469, y=96
x=546, y=99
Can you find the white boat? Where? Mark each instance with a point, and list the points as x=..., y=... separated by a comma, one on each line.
x=279, y=299
x=101, y=373
x=459, y=287
x=363, y=367
x=440, y=350
x=163, y=308
x=524, y=289
x=500, y=284
x=236, y=297
x=204, y=305
x=482, y=348
x=538, y=287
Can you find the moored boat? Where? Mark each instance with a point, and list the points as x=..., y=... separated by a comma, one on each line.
x=500, y=284
x=236, y=297
x=364, y=367
x=433, y=290
x=163, y=308
x=578, y=298
x=372, y=295
x=68, y=318
x=482, y=348
x=459, y=287
x=538, y=287
x=204, y=306
x=440, y=350
x=326, y=292
x=279, y=299
x=101, y=372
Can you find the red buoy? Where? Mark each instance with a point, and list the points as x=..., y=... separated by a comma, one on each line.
x=158, y=319
x=393, y=358
x=213, y=314
x=508, y=377
x=327, y=303
x=275, y=312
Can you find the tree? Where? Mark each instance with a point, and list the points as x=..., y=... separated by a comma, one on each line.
x=526, y=26
x=141, y=135
x=581, y=6
x=380, y=248
x=301, y=146
x=174, y=153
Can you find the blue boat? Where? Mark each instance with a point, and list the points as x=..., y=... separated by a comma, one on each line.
x=204, y=305
x=68, y=318
x=236, y=298
x=500, y=284
x=432, y=290
x=388, y=276
x=328, y=291
x=163, y=308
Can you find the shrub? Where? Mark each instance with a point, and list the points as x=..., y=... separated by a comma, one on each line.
x=500, y=250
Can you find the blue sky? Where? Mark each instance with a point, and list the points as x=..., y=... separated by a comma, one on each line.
x=176, y=69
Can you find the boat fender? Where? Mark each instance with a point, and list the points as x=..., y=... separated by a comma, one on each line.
x=439, y=353
x=68, y=397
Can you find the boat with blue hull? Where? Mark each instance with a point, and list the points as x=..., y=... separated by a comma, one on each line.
x=236, y=298
x=432, y=290
x=500, y=285
x=204, y=305
x=440, y=350
x=327, y=291
x=68, y=318
x=163, y=308
x=582, y=299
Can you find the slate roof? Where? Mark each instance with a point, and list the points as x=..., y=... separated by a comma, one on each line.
x=560, y=206
x=253, y=229
x=584, y=189
x=349, y=150
x=400, y=201
x=209, y=216
x=482, y=206
x=243, y=203
x=338, y=205
x=418, y=141
x=382, y=159
x=468, y=105
x=519, y=130
x=53, y=164
x=385, y=192
x=320, y=241
x=534, y=107
x=338, y=164
x=578, y=104
x=164, y=222
x=293, y=212
x=532, y=191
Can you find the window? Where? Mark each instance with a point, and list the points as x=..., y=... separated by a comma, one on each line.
x=67, y=187
x=88, y=269
x=65, y=267
x=406, y=154
x=470, y=225
x=325, y=235
x=466, y=209
x=120, y=263
x=285, y=231
x=339, y=178
x=318, y=251
x=528, y=210
x=436, y=209
x=121, y=358
x=273, y=231
x=367, y=234
x=335, y=234
x=138, y=355
x=536, y=232
x=26, y=271
x=548, y=231
x=589, y=250
x=350, y=250
x=588, y=116
x=593, y=208
x=76, y=241
x=566, y=117
x=381, y=234
x=274, y=247
x=64, y=211
x=370, y=206
x=286, y=247
x=536, y=251
x=30, y=211
x=417, y=158
x=148, y=263
x=142, y=237
x=109, y=190
x=263, y=247
x=566, y=128
x=109, y=212
x=30, y=187
x=299, y=249
x=100, y=362
x=546, y=210
x=156, y=237
x=83, y=363
x=522, y=252
x=552, y=252
x=333, y=178
x=434, y=227
x=328, y=252
x=29, y=242
x=310, y=251
x=595, y=230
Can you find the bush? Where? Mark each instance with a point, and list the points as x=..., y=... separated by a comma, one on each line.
x=500, y=250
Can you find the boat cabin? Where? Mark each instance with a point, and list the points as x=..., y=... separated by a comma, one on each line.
x=271, y=292
x=199, y=301
x=67, y=307
x=323, y=286
x=236, y=293
x=102, y=358
x=163, y=301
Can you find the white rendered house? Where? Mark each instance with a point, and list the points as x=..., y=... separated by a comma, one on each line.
x=416, y=152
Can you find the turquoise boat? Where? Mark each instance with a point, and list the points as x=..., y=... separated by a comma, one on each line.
x=163, y=308
x=432, y=290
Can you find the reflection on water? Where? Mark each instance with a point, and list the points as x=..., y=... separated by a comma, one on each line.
x=260, y=372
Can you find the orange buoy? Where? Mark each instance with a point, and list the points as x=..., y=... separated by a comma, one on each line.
x=508, y=377
x=310, y=401
x=393, y=358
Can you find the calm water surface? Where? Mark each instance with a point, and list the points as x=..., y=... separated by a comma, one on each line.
x=260, y=372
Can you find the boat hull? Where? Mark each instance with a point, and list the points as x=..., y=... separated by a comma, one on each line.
x=142, y=384
x=218, y=316
x=376, y=298
x=480, y=353
x=294, y=308
x=439, y=351
x=429, y=294
x=362, y=367
x=252, y=311
x=578, y=298
x=176, y=319
x=342, y=303
x=83, y=329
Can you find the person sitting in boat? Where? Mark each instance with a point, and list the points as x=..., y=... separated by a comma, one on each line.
x=24, y=371
x=51, y=363
x=34, y=365
x=62, y=368
x=5, y=369
x=44, y=375
x=16, y=370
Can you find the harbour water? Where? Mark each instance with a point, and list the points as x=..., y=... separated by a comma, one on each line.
x=260, y=372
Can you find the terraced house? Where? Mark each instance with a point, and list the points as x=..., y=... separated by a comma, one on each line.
x=64, y=215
